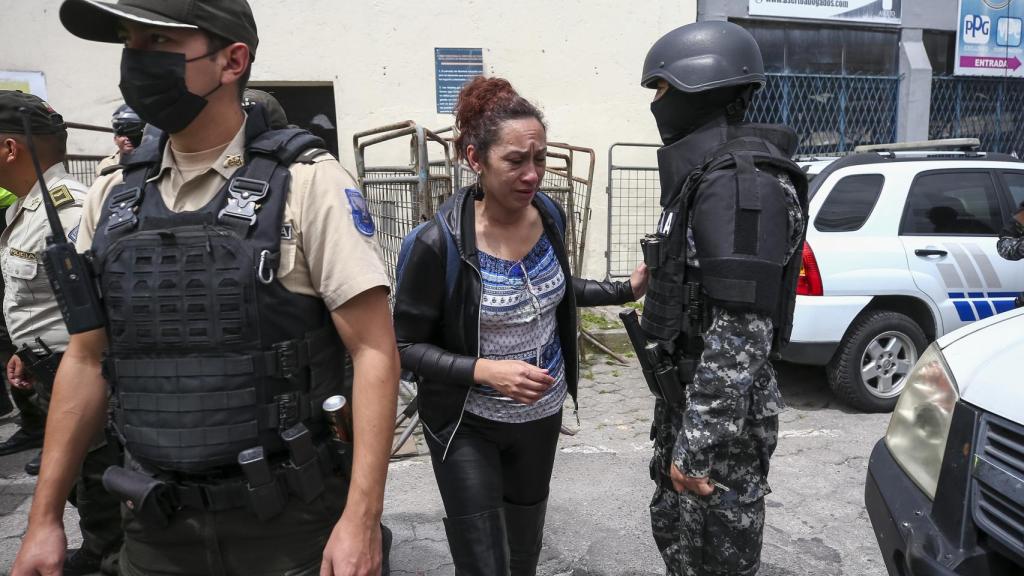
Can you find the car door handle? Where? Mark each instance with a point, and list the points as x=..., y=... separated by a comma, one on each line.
x=930, y=252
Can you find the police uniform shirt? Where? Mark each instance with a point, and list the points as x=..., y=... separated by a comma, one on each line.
x=30, y=308
x=107, y=162
x=328, y=247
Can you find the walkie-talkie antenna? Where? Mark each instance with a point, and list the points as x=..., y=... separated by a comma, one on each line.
x=69, y=274
x=57, y=236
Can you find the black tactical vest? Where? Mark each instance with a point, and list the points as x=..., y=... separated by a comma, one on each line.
x=726, y=176
x=209, y=354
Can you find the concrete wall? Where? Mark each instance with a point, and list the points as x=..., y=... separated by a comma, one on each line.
x=579, y=60
x=923, y=14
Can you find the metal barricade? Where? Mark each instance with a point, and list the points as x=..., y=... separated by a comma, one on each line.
x=400, y=197
x=82, y=167
x=990, y=109
x=634, y=192
x=569, y=180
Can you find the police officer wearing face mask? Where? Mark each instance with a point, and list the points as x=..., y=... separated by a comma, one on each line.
x=724, y=262
x=128, y=129
x=238, y=269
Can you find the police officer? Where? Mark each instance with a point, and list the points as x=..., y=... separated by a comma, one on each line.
x=276, y=116
x=237, y=264
x=724, y=262
x=127, y=137
x=32, y=314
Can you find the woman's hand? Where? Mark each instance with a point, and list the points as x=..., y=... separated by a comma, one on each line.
x=522, y=382
x=638, y=280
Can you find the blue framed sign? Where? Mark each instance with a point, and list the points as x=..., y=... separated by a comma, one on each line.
x=989, y=38
x=453, y=68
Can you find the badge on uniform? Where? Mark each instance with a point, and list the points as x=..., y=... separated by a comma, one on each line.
x=61, y=196
x=360, y=213
x=73, y=234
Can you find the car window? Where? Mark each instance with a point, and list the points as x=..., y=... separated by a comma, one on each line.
x=1015, y=183
x=849, y=203
x=957, y=203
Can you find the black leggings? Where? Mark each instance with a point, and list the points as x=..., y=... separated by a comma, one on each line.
x=490, y=463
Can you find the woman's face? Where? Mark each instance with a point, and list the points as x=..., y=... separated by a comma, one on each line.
x=514, y=166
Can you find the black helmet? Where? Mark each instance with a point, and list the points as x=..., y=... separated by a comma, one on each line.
x=126, y=122
x=704, y=56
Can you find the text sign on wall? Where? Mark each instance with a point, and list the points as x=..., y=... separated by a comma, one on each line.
x=872, y=11
x=989, y=38
x=453, y=68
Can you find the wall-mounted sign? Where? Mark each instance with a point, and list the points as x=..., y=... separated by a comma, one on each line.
x=27, y=82
x=870, y=11
x=989, y=38
x=453, y=68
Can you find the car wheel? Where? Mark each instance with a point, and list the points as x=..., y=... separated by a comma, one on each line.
x=874, y=360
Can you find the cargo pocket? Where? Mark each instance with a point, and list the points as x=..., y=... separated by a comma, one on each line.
x=765, y=398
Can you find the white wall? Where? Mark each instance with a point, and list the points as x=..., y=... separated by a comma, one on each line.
x=579, y=60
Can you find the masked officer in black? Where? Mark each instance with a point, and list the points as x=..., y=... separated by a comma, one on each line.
x=724, y=263
x=238, y=268
x=128, y=129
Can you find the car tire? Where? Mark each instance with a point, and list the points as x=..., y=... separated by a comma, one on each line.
x=870, y=368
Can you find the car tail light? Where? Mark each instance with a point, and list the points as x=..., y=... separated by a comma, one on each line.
x=809, y=282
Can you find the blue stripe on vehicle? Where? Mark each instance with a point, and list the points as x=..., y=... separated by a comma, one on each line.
x=983, y=308
x=1003, y=305
x=965, y=311
x=957, y=295
x=1002, y=294
x=975, y=294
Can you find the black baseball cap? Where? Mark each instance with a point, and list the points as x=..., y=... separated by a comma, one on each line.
x=44, y=119
x=98, y=21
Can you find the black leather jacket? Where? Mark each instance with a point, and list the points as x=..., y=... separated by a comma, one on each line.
x=438, y=335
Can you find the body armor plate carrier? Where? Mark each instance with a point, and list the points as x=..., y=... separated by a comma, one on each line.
x=209, y=354
x=734, y=192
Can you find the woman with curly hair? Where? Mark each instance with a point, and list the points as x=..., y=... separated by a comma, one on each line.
x=495, y=345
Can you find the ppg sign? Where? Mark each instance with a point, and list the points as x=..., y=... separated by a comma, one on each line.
x=977, y=28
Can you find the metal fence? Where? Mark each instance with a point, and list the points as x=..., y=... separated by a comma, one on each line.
x=634, y=190
x=569, y=180
x=399, y=197
x=830, y=113
x=990, y=109
x=82, y=167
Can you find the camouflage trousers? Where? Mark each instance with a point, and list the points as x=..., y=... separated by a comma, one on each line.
x=719, y=534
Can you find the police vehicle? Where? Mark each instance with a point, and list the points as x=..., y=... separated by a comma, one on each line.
x=944, y=487
x=901, y=249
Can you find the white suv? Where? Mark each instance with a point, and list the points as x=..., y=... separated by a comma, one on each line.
x=944, y=485
x=901, y=249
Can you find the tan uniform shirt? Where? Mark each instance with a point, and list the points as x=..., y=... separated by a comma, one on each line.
x=30, y=308
x=107, y=162
x=322, y=252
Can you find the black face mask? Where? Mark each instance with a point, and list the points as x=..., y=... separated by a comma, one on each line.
x=679, y=114
x=153, y=84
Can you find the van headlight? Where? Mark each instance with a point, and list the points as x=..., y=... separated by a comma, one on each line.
x=920, y=424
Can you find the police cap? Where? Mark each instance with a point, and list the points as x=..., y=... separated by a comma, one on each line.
x=98, y=21
x=44, y=119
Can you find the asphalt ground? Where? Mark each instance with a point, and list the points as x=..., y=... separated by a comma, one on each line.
x=598, y=521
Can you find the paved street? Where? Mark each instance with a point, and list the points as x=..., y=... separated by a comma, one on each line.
x=598, y=520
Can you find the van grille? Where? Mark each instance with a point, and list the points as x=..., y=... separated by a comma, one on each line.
x=999, y=482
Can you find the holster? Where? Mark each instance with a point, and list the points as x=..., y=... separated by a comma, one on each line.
x=42, y=367
x=149, y=499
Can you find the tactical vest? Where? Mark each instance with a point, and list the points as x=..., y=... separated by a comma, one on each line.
x=736, y=195
x=209, y=354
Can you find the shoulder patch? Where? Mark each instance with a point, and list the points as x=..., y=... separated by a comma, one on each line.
x=61, y=196
x=360, y=213
x=73, y=234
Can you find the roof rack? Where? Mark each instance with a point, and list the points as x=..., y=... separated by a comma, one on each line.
x=960, y=144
